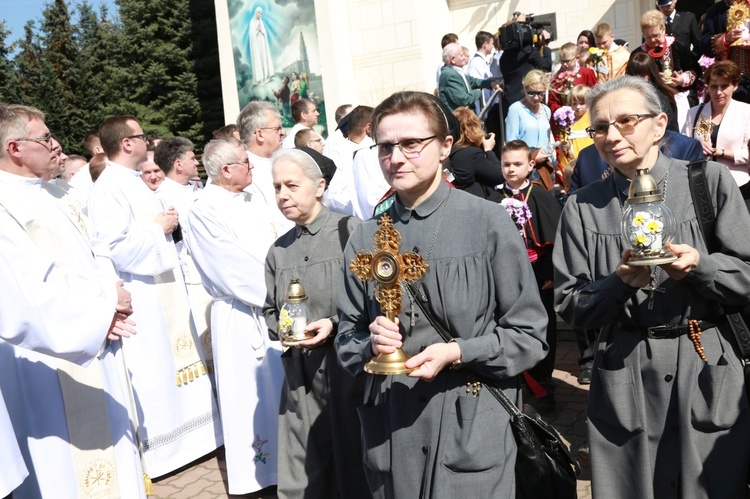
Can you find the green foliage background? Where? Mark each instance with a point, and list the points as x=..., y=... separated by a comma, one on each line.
x=155, y=59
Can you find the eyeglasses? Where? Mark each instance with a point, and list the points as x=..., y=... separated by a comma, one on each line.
x=653, y=36
x=567, y=61
x=410, y=148
x=245, y=163
x=277, y=129
x=46, y=140
x=141, y=136
x=624, y=124
x=535, y=94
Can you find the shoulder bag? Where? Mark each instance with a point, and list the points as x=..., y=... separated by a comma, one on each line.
x=699, y=190
x=544, y=466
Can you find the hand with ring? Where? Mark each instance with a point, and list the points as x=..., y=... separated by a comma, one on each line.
x=384, y=336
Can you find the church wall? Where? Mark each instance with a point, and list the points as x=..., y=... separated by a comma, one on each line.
x=372, y=48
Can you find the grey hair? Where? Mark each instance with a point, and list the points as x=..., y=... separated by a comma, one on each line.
x=254, y=116
x=219, y=152
x=449, y=51
x=14, y=119
x=300, y=158
x=626, y=82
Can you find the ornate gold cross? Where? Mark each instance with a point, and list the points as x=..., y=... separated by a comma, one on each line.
x=704, y=127
x=389, y=269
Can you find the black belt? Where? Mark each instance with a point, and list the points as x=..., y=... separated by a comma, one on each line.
x=665, y=332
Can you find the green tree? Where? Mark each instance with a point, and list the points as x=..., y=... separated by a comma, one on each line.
x=8, y=77
x=27, y=63
x=100, y=45
x=206, y=57
x=59, y=76
x=160, y=71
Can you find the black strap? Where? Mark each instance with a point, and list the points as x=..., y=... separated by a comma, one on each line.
x=499, y=395
x=704, y=210
x=344, y=231
x=697, y=116
x=424, y=306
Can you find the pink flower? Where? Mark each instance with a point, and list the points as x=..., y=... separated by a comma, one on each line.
x=564, y=117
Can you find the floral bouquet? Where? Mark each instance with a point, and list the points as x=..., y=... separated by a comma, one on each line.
x=519, y=212
x=647, y=232
x=564, y=118
x=596, y=55
x=285, y=322
x=563, y=82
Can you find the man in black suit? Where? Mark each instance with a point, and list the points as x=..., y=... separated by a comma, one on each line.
x=682, y=25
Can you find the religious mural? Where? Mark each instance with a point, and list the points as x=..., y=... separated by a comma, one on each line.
x=276, y=56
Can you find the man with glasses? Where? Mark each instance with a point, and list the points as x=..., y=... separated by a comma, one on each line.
x=569, y=75
x=71, y=414
x=307, y=137
x=167, y=367
x=305, y=115
x=230, y=234
x=260, y=129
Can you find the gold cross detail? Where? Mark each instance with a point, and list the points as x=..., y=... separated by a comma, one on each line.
x=704, y=127
x=388, y=267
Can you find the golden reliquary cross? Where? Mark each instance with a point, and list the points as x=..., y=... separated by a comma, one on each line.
x=389, y=269
x=704, y=127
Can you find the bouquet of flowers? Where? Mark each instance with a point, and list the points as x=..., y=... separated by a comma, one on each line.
x=564, y=118
x=563, y=82
x=596, y=55
x=519, y=212
x=647, y=232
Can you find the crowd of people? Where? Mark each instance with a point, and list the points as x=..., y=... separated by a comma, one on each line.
x=152, y=315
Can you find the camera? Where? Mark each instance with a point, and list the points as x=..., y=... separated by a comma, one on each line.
x=522, y=34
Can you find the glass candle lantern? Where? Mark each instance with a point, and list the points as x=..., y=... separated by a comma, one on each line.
x=294, y=315
x=647, y=223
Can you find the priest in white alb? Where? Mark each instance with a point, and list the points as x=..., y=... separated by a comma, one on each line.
x=62, y=313
x=259, y=124
x=230, y=234
x=175, y=156
x=178, y=416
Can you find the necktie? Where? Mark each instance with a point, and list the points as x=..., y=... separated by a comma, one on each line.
x=669, y=25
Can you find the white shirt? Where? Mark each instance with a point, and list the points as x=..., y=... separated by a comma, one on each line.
x=479, y=68
x=262, y=187
x=289, y=139
x=369, y=183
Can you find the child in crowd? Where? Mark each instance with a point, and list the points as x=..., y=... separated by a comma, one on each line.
x=536, y=213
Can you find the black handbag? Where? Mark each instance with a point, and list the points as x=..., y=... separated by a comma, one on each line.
x=545, y=469
x=704, y=210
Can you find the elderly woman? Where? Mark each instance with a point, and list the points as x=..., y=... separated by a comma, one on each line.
x=475, y=167
x=662, y=421
x=229, y=236
x=666, y=52
x=529, y=120
x=425, y=434
x=318, y=426
x=726, y=120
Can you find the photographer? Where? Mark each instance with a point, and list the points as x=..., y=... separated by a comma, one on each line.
x=521, y=56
